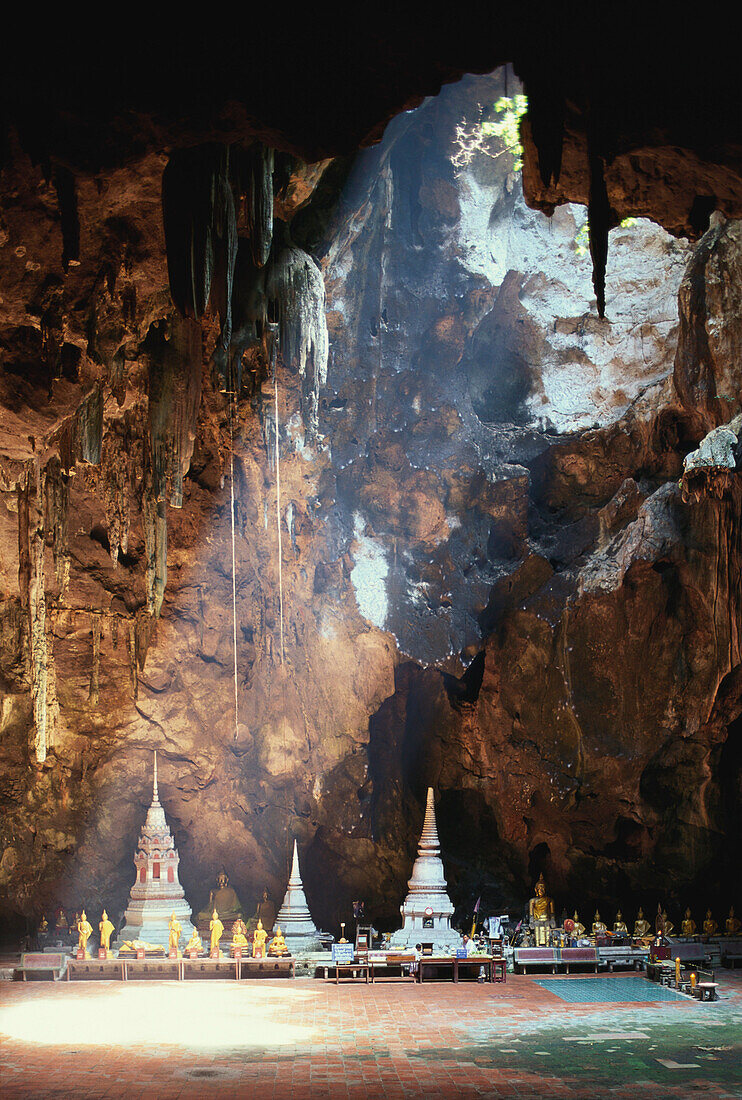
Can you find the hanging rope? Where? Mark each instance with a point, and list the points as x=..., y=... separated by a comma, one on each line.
x=234, y=567
x=278, y=505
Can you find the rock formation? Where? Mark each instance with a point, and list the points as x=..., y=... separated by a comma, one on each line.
x=491, y=583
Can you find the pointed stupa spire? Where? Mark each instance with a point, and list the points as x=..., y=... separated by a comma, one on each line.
x=429, y=841
x=155, y=792
x=294, y=917
x=155, y=813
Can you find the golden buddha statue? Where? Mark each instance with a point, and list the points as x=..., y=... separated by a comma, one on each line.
x=688, y=925
x=106, y=930
x=277, y=946
x=73, y=925
x=598, y=928
x=619, y=926
x=667, y=924
x=84, y=932
x=259, y=937
x=579, y=929
x=224, y=900
x=216, y=928
x=239, y=928
x=239, y=939
x=710, y=927
x=642, y=927
x=44, y=926
x=265, y=913
x=61, y=924
x=130, y=947
x=541, y=914
x=194, y=943
x=733, y=924
x=175, y=929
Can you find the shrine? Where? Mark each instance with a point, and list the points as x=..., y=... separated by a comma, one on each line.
x=427, y=909
x=156, y=895
x=299, y=930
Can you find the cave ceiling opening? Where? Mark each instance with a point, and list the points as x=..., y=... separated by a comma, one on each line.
x=476, y=364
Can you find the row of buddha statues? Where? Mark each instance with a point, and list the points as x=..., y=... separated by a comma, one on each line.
x=542, y=923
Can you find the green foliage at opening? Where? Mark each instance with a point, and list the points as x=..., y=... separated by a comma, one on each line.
x=582, y=236
x=506, y=127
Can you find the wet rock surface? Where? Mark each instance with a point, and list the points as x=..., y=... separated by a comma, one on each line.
x=491, y=584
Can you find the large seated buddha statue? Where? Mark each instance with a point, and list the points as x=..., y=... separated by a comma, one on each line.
x=710, y=927
x=541, y=914
x=733, y=924
x=688, y=925
x=224, y=900
x=642, y=927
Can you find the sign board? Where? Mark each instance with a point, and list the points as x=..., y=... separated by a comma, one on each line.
x=342, y=952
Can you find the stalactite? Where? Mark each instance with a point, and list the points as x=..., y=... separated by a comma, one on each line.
x=200, y=231
x=599, y=221
x=144, y=636
x=174, y=353
x=546, y=113
x=64, y=182
x=31, y=551
x=56, y=505
x=131, y=647
x=256, y=170
x=155, y=544
x=296, y=299
x=114, y=621
x=249, y=312
x=81, y=435
x=96, y=628
x=116, y=484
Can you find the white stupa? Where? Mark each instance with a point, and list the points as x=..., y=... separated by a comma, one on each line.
x=427, y=909
x=156, y=893
x=294, y=918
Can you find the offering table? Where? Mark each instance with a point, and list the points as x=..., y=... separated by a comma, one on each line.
x=457, y=965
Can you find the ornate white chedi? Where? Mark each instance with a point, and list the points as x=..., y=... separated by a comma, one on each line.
x=157, y=893
x=294, y=918
x=427, y=909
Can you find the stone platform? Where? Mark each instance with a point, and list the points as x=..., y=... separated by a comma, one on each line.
x=313, y=1039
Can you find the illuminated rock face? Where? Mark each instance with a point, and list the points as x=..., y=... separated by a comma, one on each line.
x=156, y=893
x=427, y=909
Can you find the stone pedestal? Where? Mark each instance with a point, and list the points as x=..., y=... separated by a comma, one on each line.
x=427, y=909
x=156, y=893
x=293, y=918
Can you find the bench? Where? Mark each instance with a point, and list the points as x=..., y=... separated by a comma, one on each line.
x=39, y=963
x=579, y=956
x=355, y=968
x=535, y=956
x=391, y=961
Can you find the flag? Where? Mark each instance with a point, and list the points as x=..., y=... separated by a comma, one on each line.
x=474, y=918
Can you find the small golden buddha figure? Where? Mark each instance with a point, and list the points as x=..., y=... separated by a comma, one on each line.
x=224, y=900
x=598, y=928
x=106, y=930
x=710, y=927
x=541, y=914
x=239, y=940
x=194, y=943
x=216, y=928
x=733, y=924
x=239, y=928
x=175, y=929
x=579, y=926
x=259, y=937
x=44, y=926
x=642, y=927
x=277, y=946
x=61, y=924
x=688, y=925
x=667, y=924
x=84, y=932
x=619, y=926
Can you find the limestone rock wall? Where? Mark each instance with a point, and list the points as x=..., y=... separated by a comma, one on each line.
x=490, y=582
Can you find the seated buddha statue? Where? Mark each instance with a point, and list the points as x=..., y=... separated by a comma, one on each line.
x=541, y=914
x=642, y=927
x=265, y=913
x=619, y=926
x=259, y=937
x=239, y=939
x=224, y=900
x=667, y=924
x=710, y=926
x=62, y=923
x=733, y=924
x=688, y=925
x=239, y=928
x=194, y=943
x=277, y=946
x=598, y=927
x=579, y=929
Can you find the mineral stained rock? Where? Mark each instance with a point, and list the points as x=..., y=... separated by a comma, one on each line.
x=491, y=583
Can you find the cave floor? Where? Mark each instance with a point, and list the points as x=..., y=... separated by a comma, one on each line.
x=309, y=1038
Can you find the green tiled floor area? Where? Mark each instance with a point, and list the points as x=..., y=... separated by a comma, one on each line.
x=607, y=990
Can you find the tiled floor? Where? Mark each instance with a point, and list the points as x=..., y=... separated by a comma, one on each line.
x=306, y=1038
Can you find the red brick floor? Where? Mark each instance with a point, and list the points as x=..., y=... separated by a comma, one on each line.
x=305, y=1038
